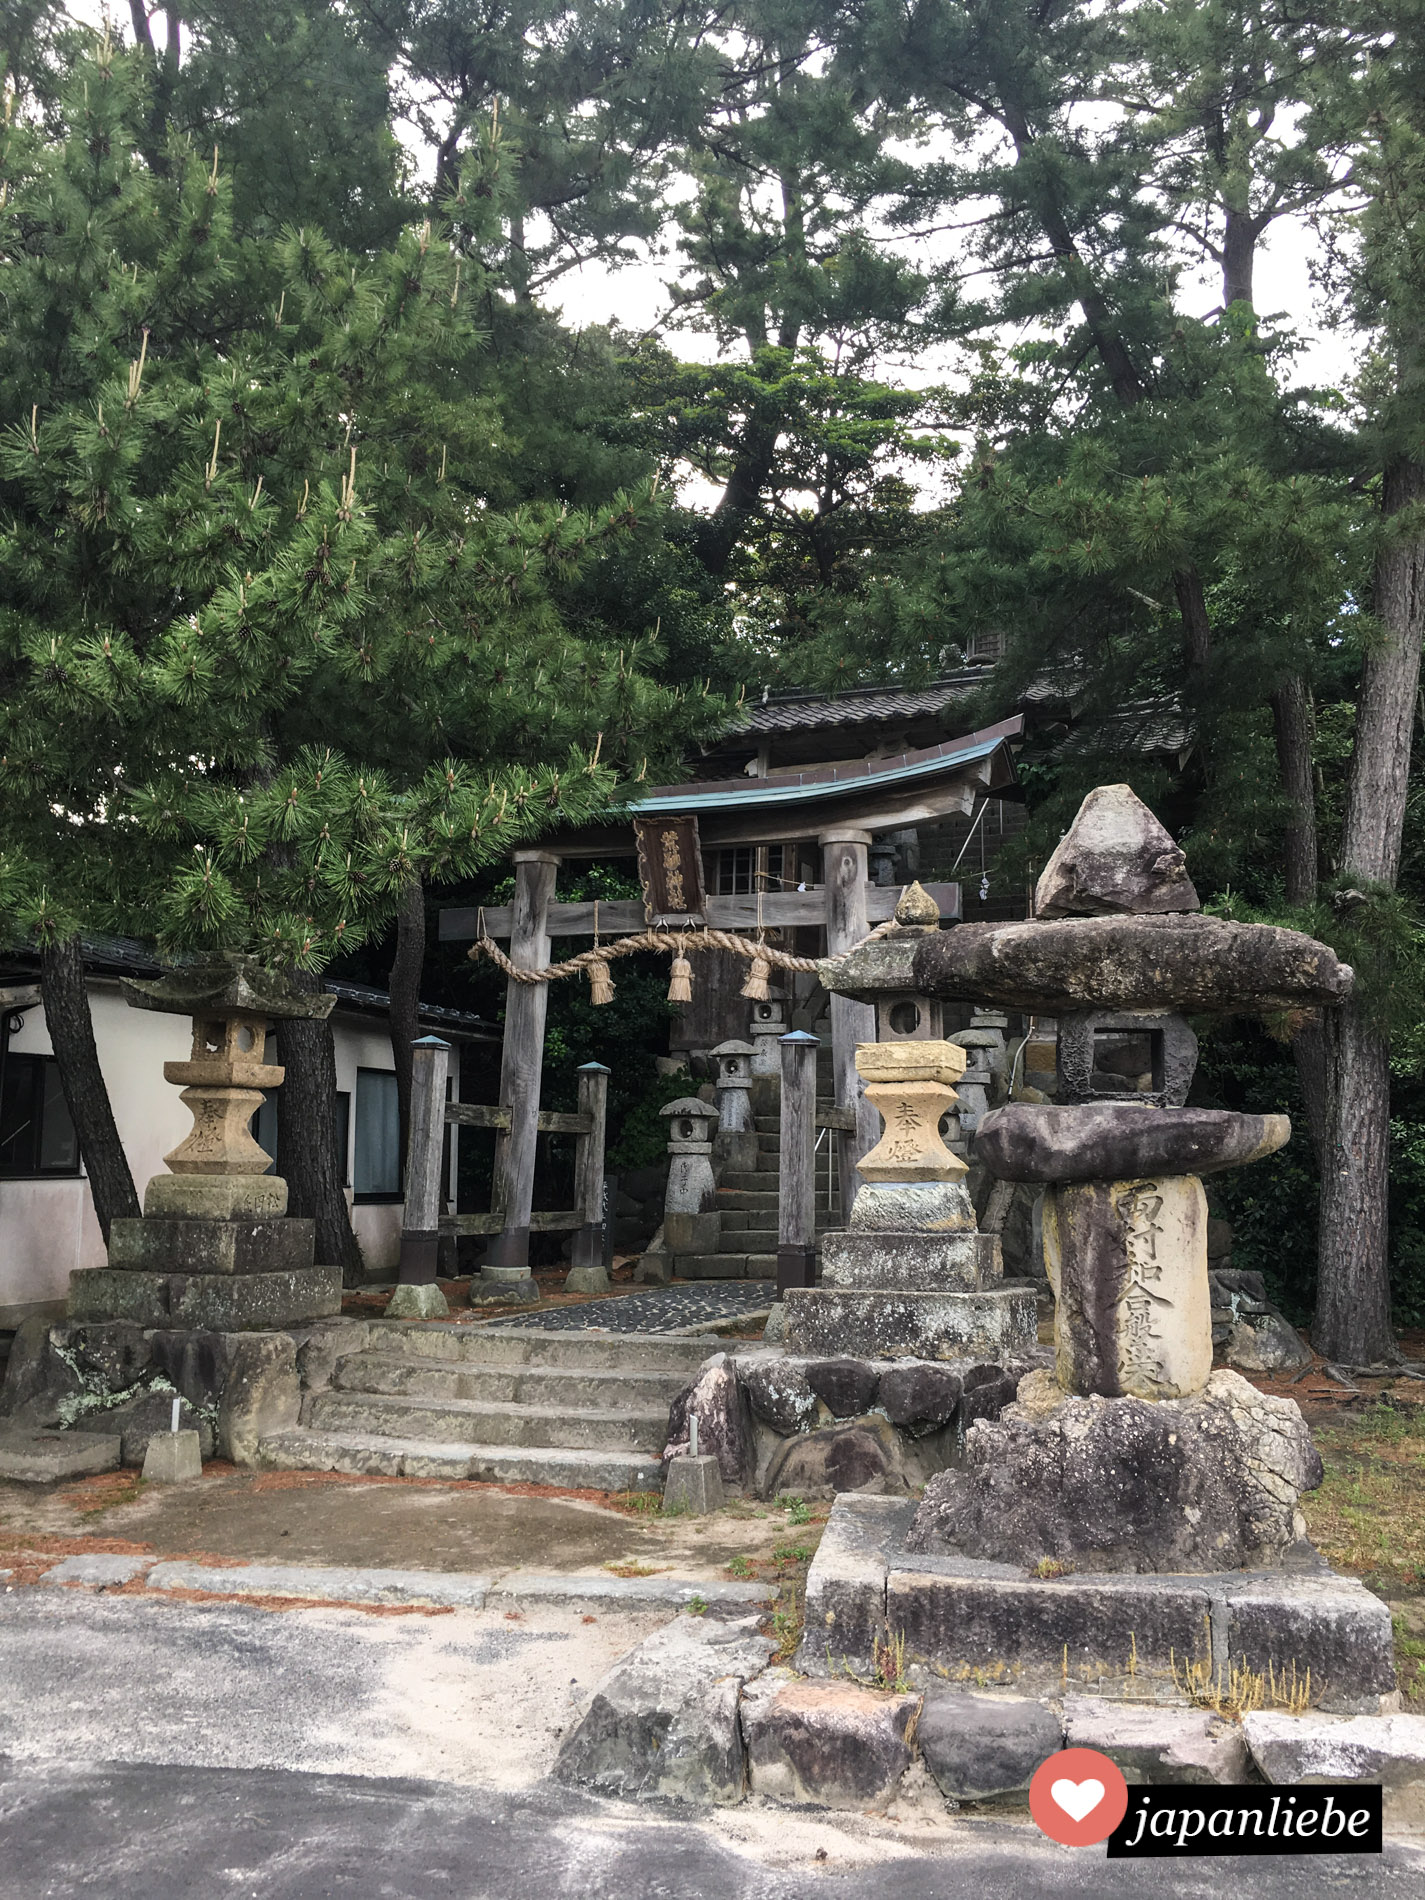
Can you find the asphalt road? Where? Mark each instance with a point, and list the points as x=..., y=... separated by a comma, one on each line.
x=149, y=1833
x=190, y=1751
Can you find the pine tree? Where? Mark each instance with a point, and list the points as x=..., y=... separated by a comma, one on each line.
x=269, y=654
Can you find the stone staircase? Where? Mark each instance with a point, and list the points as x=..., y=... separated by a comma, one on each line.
x=747, y=1246
x=501, y=1404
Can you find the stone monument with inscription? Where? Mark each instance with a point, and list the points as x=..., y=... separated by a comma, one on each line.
x=1132, y=1510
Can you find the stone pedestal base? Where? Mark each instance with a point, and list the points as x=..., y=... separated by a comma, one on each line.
x=498, y=1286
x=961, y=1617
x=692, y=1233
x=215, y=1197
x=242, y=1275
x=915, y=1262
x=212, y=1246
x=910, y=1324
x=417, y=1300
x=1200, y=1484
x=206, y=1302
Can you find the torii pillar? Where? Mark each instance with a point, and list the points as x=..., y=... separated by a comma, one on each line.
x=521, y=1068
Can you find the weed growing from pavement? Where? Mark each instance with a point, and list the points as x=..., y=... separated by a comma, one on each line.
x=740, y=1567
x=1048, y=1568
x=697, y=1606
x=798, y=1511
x=638, y=1503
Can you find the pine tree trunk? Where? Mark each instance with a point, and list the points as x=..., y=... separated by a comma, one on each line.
x=1352, y=1319
x=306, y=1147
x=1294, y=724
x=1352, y=1322
x=405, y=992
x=71, y=1034
x=1239, y=254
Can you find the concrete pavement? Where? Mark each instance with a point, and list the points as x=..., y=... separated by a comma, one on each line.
x=166, y=1750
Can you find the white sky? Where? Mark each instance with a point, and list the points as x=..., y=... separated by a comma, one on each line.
x=636, y=296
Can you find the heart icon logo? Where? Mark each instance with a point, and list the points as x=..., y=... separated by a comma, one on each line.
x=1077, y=1798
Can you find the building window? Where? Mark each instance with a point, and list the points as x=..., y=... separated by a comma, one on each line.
x=734, y=870
x=36, y=1134
x=376, y=1172
x=263, y=1127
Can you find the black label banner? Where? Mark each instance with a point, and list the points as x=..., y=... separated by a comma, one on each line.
x=1177, y=1820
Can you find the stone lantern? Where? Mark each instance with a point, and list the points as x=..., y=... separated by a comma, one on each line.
x=214, y=1249
x=767, y=1028
x=691, y=1223
x=906, y=1015
x=735, y=1143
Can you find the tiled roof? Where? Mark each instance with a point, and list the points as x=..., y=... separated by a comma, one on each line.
x=806, y=712
x=1152, y=726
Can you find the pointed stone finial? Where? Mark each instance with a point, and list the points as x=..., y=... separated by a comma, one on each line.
x=1114, y=858
x=917, y=907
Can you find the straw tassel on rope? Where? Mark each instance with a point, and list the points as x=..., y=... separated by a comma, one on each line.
x=601, y=983
x=755, y=988
x=680, y=979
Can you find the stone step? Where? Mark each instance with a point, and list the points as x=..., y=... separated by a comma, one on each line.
x=531, y=1346
x=748, y=1200
x=369, y=1454
x=491, y=1422
x=772, y=1124
x=745, y=1220
x=727, y=1266
x=576, y=1387
x=735, y=1182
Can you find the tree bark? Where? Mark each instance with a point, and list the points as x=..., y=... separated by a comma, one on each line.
x=1239, y=254
x=306, y=1148
x=71, y=1034
x=1352, y=1320
x=162, y=77
x=405, y=993
x=1294, y=723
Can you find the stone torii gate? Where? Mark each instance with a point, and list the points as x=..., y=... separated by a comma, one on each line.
x=839, y=808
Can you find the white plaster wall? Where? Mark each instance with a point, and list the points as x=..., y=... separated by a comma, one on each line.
x=48, y=1228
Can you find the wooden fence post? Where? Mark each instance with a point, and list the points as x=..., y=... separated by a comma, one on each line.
x=587, y=1259
x=796, y=1194
x=425, y=1156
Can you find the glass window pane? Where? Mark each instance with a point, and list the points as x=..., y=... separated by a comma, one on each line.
x=17, y=1115
x=59, y=1145
x=341, y=1131
x=377, y=1168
